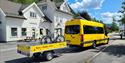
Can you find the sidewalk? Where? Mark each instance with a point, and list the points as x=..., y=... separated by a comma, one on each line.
x=114, y=53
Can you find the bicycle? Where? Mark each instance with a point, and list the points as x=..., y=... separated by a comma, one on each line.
x=48, y=39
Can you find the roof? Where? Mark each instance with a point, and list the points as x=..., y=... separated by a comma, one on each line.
x=23, y=7
x=14, y=16
x=47, y=19
x=11, y=9
x=63, y=11
x=56, y=4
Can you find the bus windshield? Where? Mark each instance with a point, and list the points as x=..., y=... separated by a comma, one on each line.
x=72, y=29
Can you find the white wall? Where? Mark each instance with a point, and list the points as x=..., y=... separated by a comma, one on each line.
x=50, y=9
x=63, y=17
x=121, y=27
x=13, y=23
x=29, y=23
x=49, y=13
x=55, y=16
x=2, y=26
x=64, y=8
x=33, y=22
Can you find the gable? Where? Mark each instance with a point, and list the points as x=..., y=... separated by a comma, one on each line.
x=64, y=7
x=1, y=12
x=34, y=7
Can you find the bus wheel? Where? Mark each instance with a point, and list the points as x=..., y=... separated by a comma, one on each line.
x=48, y=56
x=94, y=44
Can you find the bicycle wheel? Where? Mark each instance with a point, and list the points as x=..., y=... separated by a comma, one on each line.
x=46, y=40
x=59, y=38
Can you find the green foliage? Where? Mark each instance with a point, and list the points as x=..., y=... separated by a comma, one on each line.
x=25, y=1
x=114, y=26
x=57, y=1
x=85, y=15
x=123, y=12
x=123, y=19
x=76, y=15
x=94, y=19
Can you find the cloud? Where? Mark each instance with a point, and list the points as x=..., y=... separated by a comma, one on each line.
x=85, y=4
x=108, y=16
x=76, y=5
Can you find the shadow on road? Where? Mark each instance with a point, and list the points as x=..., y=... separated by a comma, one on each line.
x=117, y=38
x=26, y=60
x=73, y=49
x=116, y=50
x=38, y=60
x=19, y=60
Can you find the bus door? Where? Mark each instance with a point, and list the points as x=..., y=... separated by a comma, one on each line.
x=72, y=34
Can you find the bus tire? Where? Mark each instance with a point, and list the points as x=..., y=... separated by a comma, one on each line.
x=94, y=44
x=48, y=55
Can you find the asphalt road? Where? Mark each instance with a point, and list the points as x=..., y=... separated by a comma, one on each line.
x=69, y=55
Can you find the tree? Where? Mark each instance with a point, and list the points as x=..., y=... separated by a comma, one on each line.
x=94, y=19
x=114, y=26
x=57, y=1
x=123, y=14
x=25, y=1
x=85, y=15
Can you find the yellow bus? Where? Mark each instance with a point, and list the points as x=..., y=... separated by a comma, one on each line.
x=85, y=33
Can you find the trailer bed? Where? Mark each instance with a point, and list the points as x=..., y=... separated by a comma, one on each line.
x=29, y=48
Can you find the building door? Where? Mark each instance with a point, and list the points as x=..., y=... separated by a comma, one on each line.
x=1, y=36
x=59, y=31
x=33, y=33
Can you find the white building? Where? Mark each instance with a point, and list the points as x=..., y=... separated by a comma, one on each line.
x=121, y=26
x=57, y=13
x=20, y=21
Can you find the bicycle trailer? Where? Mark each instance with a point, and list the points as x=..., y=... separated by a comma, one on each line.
x=36, y=49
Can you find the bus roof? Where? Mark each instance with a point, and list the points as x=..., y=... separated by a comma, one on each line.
x=84, y=22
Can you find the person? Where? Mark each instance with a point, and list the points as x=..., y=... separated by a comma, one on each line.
x=121, y=34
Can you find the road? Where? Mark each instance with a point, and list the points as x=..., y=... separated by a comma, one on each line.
x=111, y=53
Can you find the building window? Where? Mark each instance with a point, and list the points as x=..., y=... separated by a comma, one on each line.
x=13, y=31
x=32, y=14
x=60, y=21
x=41, y=31
x=44, y=7
x=23, y=31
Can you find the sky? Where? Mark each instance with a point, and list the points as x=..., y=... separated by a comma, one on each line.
x=100, y=9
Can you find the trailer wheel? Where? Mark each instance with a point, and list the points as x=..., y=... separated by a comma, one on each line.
x=48, y=55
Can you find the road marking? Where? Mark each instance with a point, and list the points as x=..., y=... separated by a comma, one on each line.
x=90, y=60
x=9, y=49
